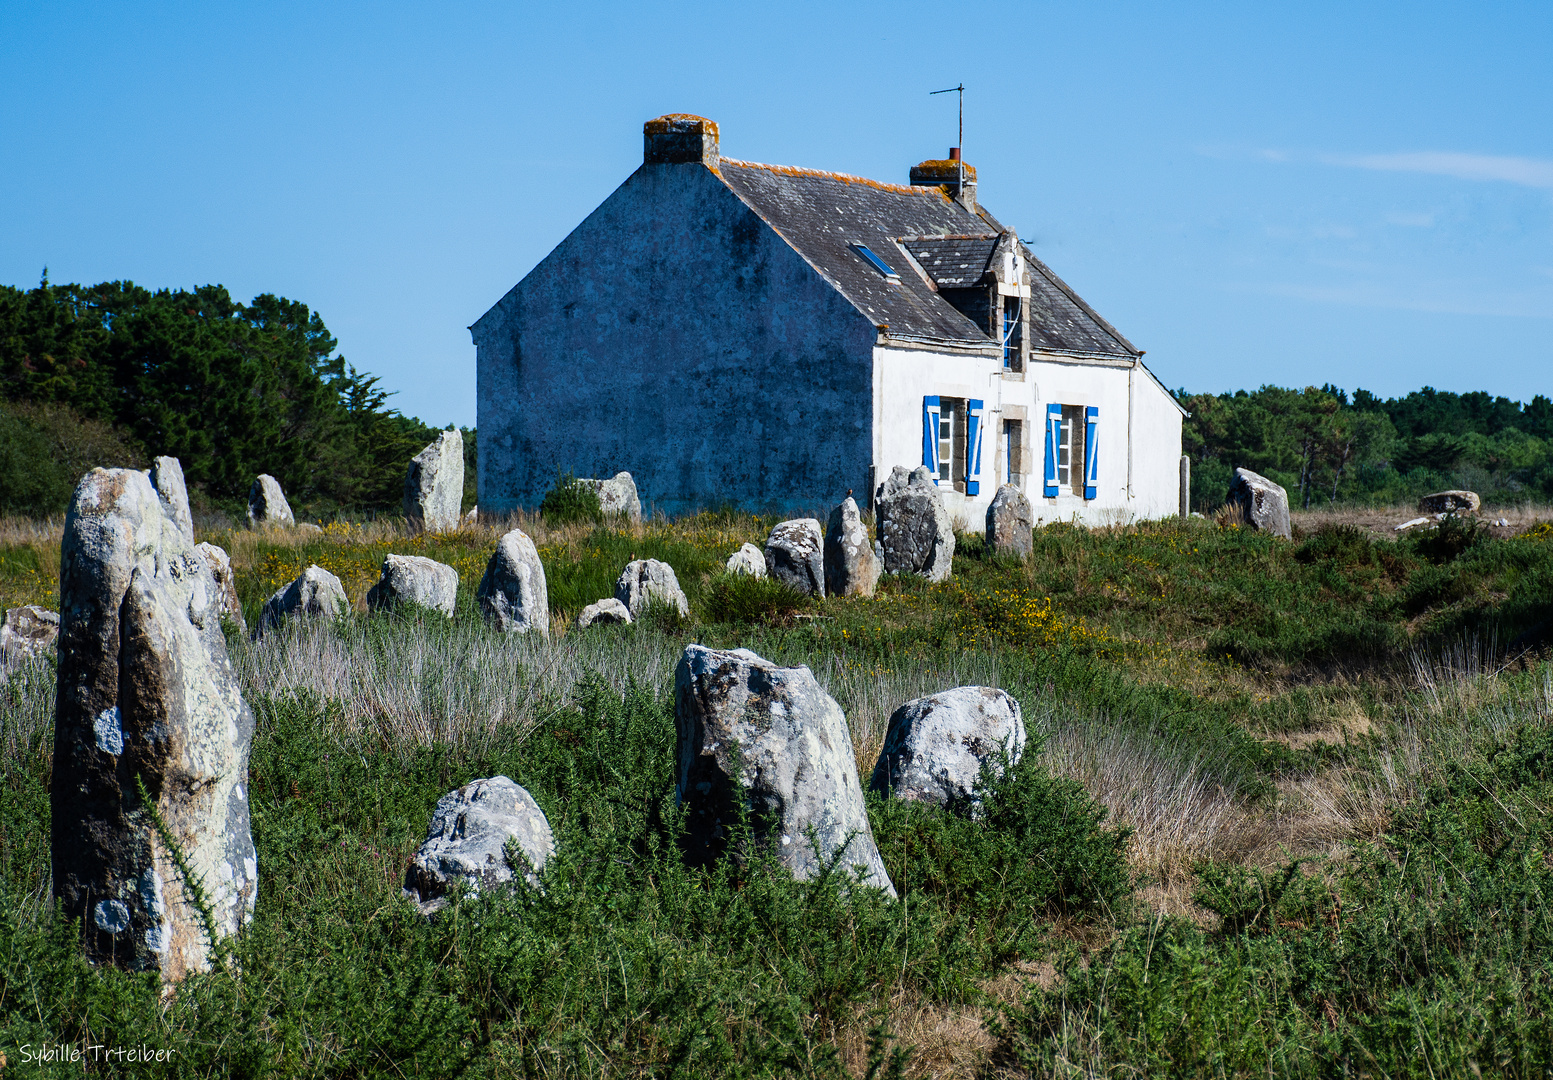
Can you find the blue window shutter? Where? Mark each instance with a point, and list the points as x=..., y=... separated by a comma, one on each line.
x=1091, y=446
x=930, y=435
x=973, y=414
x=1053, y=429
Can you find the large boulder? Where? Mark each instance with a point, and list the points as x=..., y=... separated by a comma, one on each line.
x=166, y=475
x=795, y=555
x=603, y=613
x=936, y=747
x=1451, y=502
x=1262, y=504
x=647, y=581
x=267, y=505
x=151, y=738
x=749, y=559
x=471, y=833
x=226, y=584
x=745, y=725
x=1010, y=523
x=513, y=595
x=434, y=485
x=850, y=566
x=915, y=530
x=617, y=497
x=28, y=631
x=315, y=593
x=414, y=579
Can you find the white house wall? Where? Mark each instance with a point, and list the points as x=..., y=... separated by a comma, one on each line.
x=1128, y=398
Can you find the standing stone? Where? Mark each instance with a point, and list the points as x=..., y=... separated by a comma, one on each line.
x=468, y=839
x=749, y=559
x=414, y=579
x=617, y=497
x=1010, y=521
x=850, y=566
x=914, y=528
x=147, y=696
x=936, y=747
x=743, y=723
x=28, y=631
x=602, y=613
x=795, y=556
x=434, y=485
x=267, y=504
x=226, y=585
x=1451, y=502
x=513, y=595
x=314, y=593
x=1263, y=505
x=167, y=477
x=648, y=581
x=1185, y=492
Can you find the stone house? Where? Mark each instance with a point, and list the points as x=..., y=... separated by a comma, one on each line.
x=769, y=337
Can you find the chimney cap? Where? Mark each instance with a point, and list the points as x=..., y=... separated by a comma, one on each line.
x=680, y=138
x=936, y=171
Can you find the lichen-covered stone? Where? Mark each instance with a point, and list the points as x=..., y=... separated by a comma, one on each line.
x=645, y=582
x=226, y=585
x=434, y=485
x=513, y=594
x=1010, y=523
x=166, y=475
x=414, y=579
x=267, y=505
x=915, y=529
x=742, y=723
x=471, y=833
x=618, y=497
x=850, y=566
x=795, y=556
x=1262, y=504
x=28, y=631
x=604, y=612
x=147, y=696
x=1451, y=502
x=936, y=747
x=749, y=559
x=314, y=593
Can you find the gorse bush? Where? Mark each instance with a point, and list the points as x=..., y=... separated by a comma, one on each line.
x=748, y=600
x=569, y=500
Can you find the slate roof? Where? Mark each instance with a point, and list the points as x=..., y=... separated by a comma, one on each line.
x=823, y=215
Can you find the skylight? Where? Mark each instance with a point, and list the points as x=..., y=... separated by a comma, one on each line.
x=876, y=262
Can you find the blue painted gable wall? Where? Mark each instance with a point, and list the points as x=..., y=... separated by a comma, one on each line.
x=676, y=335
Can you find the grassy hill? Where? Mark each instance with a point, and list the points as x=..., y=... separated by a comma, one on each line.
x=1286, y=811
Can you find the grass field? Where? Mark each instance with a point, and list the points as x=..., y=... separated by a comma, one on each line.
x=1287, y=813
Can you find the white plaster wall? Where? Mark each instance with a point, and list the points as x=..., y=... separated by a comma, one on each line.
x=902, y=377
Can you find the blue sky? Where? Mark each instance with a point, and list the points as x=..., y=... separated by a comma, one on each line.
x=1292, y=193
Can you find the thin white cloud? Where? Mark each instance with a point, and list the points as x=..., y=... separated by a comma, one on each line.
x=1529, y=172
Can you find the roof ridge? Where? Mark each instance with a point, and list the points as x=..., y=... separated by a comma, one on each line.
x=946, y=236
x=848, y=178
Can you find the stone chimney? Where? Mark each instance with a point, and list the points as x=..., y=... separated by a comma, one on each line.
x=679, y=138
x=947, y=173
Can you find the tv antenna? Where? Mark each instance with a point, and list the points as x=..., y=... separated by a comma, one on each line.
x=961, y=91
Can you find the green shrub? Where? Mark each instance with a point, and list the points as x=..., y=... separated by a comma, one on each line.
x=1453, y=537
x=746, y=600
x=570, y=501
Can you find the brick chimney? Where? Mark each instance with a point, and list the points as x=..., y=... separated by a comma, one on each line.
x=946, y=173
x=679, y=138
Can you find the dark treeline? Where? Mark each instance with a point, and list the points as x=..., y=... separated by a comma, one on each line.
x=113, y=374
x=1325, y=446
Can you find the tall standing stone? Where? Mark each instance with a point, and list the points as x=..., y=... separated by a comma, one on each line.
x=267, y=504
x=1010, y=523
x=1185, y=493
x=166, y=475
x=220, y=564
x=744, y=724
x=915, y=530
x=795, y=555
x=850, y=566
x=434, y=485
x=513, y=595
x=147, y=696
x=1263, y=505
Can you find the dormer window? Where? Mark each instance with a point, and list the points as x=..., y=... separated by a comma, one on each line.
x=877, y=263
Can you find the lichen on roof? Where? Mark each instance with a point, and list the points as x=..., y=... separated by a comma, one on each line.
x=846, y=178
x=944, y=166
x=680, y=122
